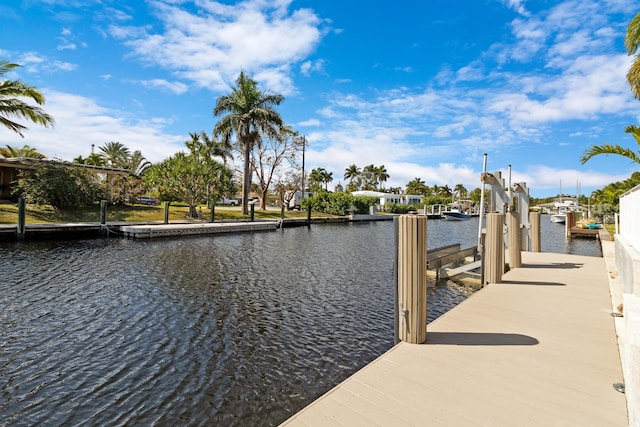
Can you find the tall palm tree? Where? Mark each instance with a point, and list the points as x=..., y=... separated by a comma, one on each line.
x=460, y=191
x=327, y=177
x=249, y=113
x=631, y=42
x=115, y=154
x=12, y=106
x=317, y=178
x=615, y=149
x=381, y=174
x=352, y=172
x=25, y=151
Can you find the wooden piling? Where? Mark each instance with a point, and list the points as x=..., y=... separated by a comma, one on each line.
x=104, y=231
x=494, y=248
x=213, y=212
x=309, y=215
x=253, y=212
x=166, y=212
x=570, y=222
x=514, y=239
x=22, y=215
x=534, y=218
x=412, y=278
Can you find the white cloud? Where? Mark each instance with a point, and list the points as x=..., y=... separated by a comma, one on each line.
x=309, y=123
x=81, y=121
x=174, y=87
x=260, y=37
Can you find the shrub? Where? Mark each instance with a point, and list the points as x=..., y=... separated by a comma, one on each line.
x=58, y=186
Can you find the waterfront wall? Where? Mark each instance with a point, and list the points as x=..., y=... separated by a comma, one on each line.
x=627, y=255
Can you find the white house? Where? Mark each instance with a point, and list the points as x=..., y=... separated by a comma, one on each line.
x=398, y=199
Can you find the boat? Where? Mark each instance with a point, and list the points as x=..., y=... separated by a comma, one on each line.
x=561, y=209
x=455, y=214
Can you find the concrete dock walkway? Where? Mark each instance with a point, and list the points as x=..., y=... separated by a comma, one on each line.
x=539, y=349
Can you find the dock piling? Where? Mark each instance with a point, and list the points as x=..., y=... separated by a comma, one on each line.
x=166, y=212
x=515, y=240
x=104, y=231
x=411, y=278
x=494, y=264
x=22, y=214
x=535, y=231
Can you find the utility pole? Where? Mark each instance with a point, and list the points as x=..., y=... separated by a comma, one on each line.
x=304, y=143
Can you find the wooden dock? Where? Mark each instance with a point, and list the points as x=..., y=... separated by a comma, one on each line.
x=173, y=230
x=539, y=349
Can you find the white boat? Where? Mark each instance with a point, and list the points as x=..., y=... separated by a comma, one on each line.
x=561, y=209
x=455, y=215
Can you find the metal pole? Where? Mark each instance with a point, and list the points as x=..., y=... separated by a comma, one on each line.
x=509, y=191
x=396, y=302
x=304, y=143
x=484, y=170
x=481, y=250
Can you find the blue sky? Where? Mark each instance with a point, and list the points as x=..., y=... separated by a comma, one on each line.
x=422, y=87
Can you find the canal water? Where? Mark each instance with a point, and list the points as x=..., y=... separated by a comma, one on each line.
x=228, y=330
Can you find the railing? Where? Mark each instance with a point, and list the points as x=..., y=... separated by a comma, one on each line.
x=629, y=214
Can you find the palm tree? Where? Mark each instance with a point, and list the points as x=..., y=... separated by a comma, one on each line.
x=115, y=154
x=352, y=172
x=381, y=174
x=460, y=191
x=327, y=177
x=209, y=147
x=137, y=164
x=416, y=186
x=631, y=42
x=25, y=151
x=615, y=149
x=249, y=112
x=11, y=106
x=317, y=178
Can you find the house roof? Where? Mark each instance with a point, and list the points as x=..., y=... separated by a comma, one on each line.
x=32, y=163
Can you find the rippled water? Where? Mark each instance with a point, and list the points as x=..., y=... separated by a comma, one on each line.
x=226, y=330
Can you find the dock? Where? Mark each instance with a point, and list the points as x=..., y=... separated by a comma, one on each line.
x=173, y=230
x=539, y=349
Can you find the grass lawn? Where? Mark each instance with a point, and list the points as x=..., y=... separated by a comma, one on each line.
x=44, y=214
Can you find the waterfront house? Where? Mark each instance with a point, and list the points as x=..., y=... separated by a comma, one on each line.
x=9, y=166
x=398, y=199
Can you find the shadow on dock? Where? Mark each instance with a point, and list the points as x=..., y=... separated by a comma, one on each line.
x=478, y=338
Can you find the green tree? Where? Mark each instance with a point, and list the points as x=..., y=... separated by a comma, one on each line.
x=59, y=186
x=631, y=42
x=381, y=174
x=351, y=173
x=316, y=179
x=270, y=156
x=12, y=106
x=248, y=113
x=25, y=151
x=193, y=178
x=460, y=191
x=115, y=154
x=416, y=186
x=607, y=149
x=209, y=147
